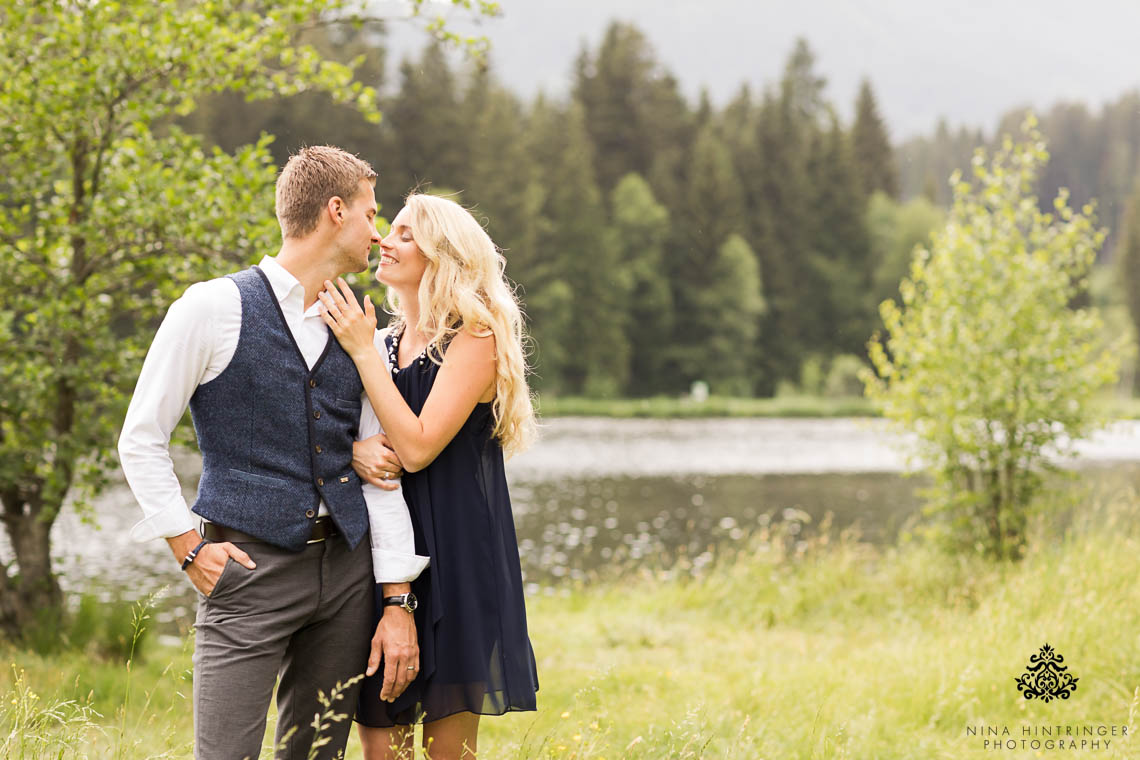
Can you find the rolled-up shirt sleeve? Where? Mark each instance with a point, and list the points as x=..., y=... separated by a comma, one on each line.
x=394, y=558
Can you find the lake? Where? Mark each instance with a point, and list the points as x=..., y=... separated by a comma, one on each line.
x=598, y=496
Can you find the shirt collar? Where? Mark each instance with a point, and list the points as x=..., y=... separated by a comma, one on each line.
x=280, y=280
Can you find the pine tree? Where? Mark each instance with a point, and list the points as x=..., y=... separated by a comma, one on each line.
x=779, y=185
x=634, y=109
x=640, y=229
x=502, y=181
x=1128, y=255
x=589, y=354
x=424, y=137
x=727, y=313
x=713, y=210
x=872, y=146
x=841, y=246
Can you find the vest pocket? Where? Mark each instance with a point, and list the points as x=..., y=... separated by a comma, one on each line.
x=347, y=403
x=261, y=480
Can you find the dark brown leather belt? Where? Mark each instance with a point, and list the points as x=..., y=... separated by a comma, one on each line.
x=323, y=527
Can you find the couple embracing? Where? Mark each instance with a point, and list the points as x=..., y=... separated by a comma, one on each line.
x=352, y=516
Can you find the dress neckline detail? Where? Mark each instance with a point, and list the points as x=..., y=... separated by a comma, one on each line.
x=394, y=353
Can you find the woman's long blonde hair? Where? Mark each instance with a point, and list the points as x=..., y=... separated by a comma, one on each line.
x=464, y=287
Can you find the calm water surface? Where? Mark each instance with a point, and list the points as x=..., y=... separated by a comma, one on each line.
x=597, y=494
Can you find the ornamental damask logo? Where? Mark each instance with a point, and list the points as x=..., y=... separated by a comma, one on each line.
x=1046, y=678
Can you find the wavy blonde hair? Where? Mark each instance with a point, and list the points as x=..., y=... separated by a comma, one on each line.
x=464, y=287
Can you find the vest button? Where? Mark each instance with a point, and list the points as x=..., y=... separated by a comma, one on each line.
x=309, y=513
x=318, y=449
x=312, y=383
x=317, y=414
x=320, y=481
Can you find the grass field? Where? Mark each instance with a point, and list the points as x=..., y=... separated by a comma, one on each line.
x=826, y=648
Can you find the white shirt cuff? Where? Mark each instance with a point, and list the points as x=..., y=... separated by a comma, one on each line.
x=172, y=520
x=394, y=567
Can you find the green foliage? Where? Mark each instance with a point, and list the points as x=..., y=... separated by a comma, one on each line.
x=925, y=162
x=314, y=117
x=35, y=728
x=640, y=229
x=985, y=361
x=1128, y=266
x=783, y=226
x=895, y=230
x=874, y=156
x=107, y=212
x=634, y=110
x=423, y=140
x=717, y=316
x=726, y=314
x=844, y=377
x=811, y=617
x=674, y=407
x=839, y=245
x=581, y=340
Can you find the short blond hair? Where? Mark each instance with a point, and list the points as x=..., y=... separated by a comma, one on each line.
x=312, y=176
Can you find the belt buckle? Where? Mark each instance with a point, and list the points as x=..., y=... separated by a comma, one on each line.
x=321, y=521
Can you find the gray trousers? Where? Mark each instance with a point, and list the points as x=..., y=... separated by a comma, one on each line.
x=304, y=617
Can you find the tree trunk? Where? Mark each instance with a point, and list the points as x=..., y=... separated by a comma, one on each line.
x=31, y=596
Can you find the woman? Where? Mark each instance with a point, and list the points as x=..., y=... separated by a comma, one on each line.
x=454, y=399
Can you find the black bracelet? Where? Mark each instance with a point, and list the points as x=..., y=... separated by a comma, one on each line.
x=193, y=553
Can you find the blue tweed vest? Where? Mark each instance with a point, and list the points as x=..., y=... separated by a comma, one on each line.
x=276, y=437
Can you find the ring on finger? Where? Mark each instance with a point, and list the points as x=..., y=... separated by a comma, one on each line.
x=329, y=303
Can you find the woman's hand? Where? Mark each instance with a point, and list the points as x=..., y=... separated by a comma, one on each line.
x=353, y=327
x=376, y=463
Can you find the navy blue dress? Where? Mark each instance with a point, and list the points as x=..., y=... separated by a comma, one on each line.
x=475, y=654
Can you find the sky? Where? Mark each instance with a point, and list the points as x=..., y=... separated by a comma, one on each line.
x=965, y=60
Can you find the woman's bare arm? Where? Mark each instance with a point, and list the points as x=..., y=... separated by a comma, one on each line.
x=466, y=377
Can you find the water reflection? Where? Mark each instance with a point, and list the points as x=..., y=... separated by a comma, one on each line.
x=575, y=528
x=606, y=496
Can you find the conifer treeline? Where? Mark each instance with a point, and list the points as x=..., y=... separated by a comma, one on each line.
x=655, y=242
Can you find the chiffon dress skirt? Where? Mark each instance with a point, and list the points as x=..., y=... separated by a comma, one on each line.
x=475, y=653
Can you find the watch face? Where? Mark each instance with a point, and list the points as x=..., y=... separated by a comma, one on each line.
x=411, y=601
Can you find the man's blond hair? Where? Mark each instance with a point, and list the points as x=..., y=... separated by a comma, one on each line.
x=312, y=176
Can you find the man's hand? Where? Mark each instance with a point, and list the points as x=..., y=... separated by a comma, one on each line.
x=207, y=567
x=376, y=463
x=395, y=643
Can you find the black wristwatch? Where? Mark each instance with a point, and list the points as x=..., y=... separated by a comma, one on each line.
x=407, y=601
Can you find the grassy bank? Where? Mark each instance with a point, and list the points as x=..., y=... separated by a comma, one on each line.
x=661, y=407
x=823, y=649
x=669, y=407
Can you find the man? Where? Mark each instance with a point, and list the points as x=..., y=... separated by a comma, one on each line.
x=282, y=564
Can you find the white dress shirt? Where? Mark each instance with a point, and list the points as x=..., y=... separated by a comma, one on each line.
x=195, y=342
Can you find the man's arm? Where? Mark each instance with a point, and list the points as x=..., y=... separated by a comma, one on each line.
x=394, y=565
x=185, y=352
